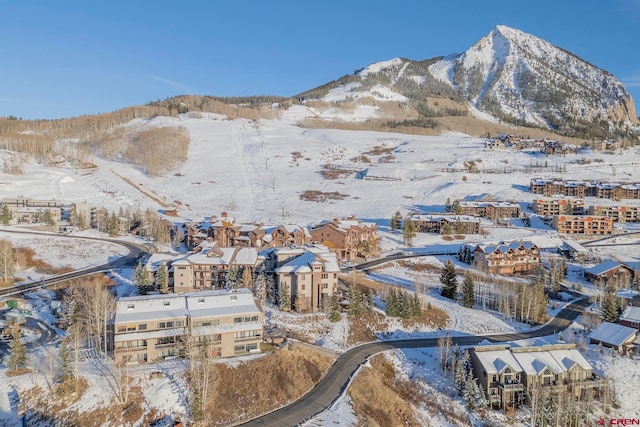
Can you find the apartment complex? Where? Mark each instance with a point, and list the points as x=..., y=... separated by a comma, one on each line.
x=508, y=373
x=24, y=210
x=208, y=269
x=506, y=258
x=492, y=210
x=156, y=327
x=588, y=225
x=617, y=213
x=308, y=275
x=553, y=207
x=347, y=237
x=446, y=223
x=581, y=189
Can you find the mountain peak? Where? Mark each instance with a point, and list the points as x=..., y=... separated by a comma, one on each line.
x=521, y=78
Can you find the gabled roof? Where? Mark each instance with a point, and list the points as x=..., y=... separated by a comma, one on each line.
x=613, y=334
x=604, y=266
x=631, y=314
x=496, y=361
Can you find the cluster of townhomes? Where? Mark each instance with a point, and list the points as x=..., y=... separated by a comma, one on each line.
x=508, y=374
x=301, y=263
x=598, y=189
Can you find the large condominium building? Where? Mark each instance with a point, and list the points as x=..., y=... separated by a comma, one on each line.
x=347, y=237
x=446, y=223
x=492, y=210
x=588, y=225
x=156, y=327
x=552, y=207
x=208, y=268
x=617, y=213
x=308, y=275
x=599, y=189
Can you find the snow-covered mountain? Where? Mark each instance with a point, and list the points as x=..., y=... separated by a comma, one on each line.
x=509, y=75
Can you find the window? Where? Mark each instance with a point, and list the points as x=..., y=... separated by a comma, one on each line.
x=182, y=268
x=200, y=300
x=238, y=348
x=131, y=328
x=253, y=346
x=131, y=306
x=325, y=286
x=166, y=303
x=142, y=327
x=302, y=287
x=324, y=276
x=121, y=328
x=179, y=324
x=237, y=320
x=234, y=297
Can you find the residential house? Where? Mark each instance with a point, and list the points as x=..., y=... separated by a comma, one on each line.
x=156, y=327
x=445, y=223
x=573, y=250
x=610, y=273
x=630, y=317
x=285, y=235
x=308, y=275
x=508, y=374
x=587, y=225
x=619, y=337
x=498, y=373
x=347, y=237
x=519, y=257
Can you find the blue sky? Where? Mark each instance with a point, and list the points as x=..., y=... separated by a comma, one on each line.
x=62, y=59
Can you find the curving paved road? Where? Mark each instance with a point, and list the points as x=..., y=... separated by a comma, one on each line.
x=331, y=386
x=136, y=251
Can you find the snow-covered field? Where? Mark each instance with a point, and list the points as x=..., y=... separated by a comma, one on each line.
x=256, y=171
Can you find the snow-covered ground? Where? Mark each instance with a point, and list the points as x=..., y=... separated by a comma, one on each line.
x=248, y=169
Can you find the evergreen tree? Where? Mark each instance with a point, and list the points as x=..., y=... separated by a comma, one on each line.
x=162, y=279
x=334, y=309
x=446, y=229
x=447, y=205
x=449, y=281
x=5, y=217
x=141, y=279
x=231, y=280
x=456, y=207
x=459, y=226
x=408, y=231
x=112, y=227
x=396, y=221
x=260, y=287
x=65, y=374
x=406, y=306
x=82, y=221
x=392, y=303
x=416, y=305
x=17, y=350
x=609, y=308
x=468, y=292
x=285, y=298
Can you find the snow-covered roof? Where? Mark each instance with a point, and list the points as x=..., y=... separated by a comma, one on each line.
x=603, y=267
x=495, y=361
x=309, y=255
x=612, y=333
x=220, y=302
x=504, y=247
x=631, y=314
x=535, y=362
x=574, y=246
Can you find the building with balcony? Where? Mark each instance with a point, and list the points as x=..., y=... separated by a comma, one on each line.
x=520, y=257
x=446, y=223
x=587, y=225
x=508, y=373
x=308, y=275
x=157, y=327
x=347, y=237
x=617, y=213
